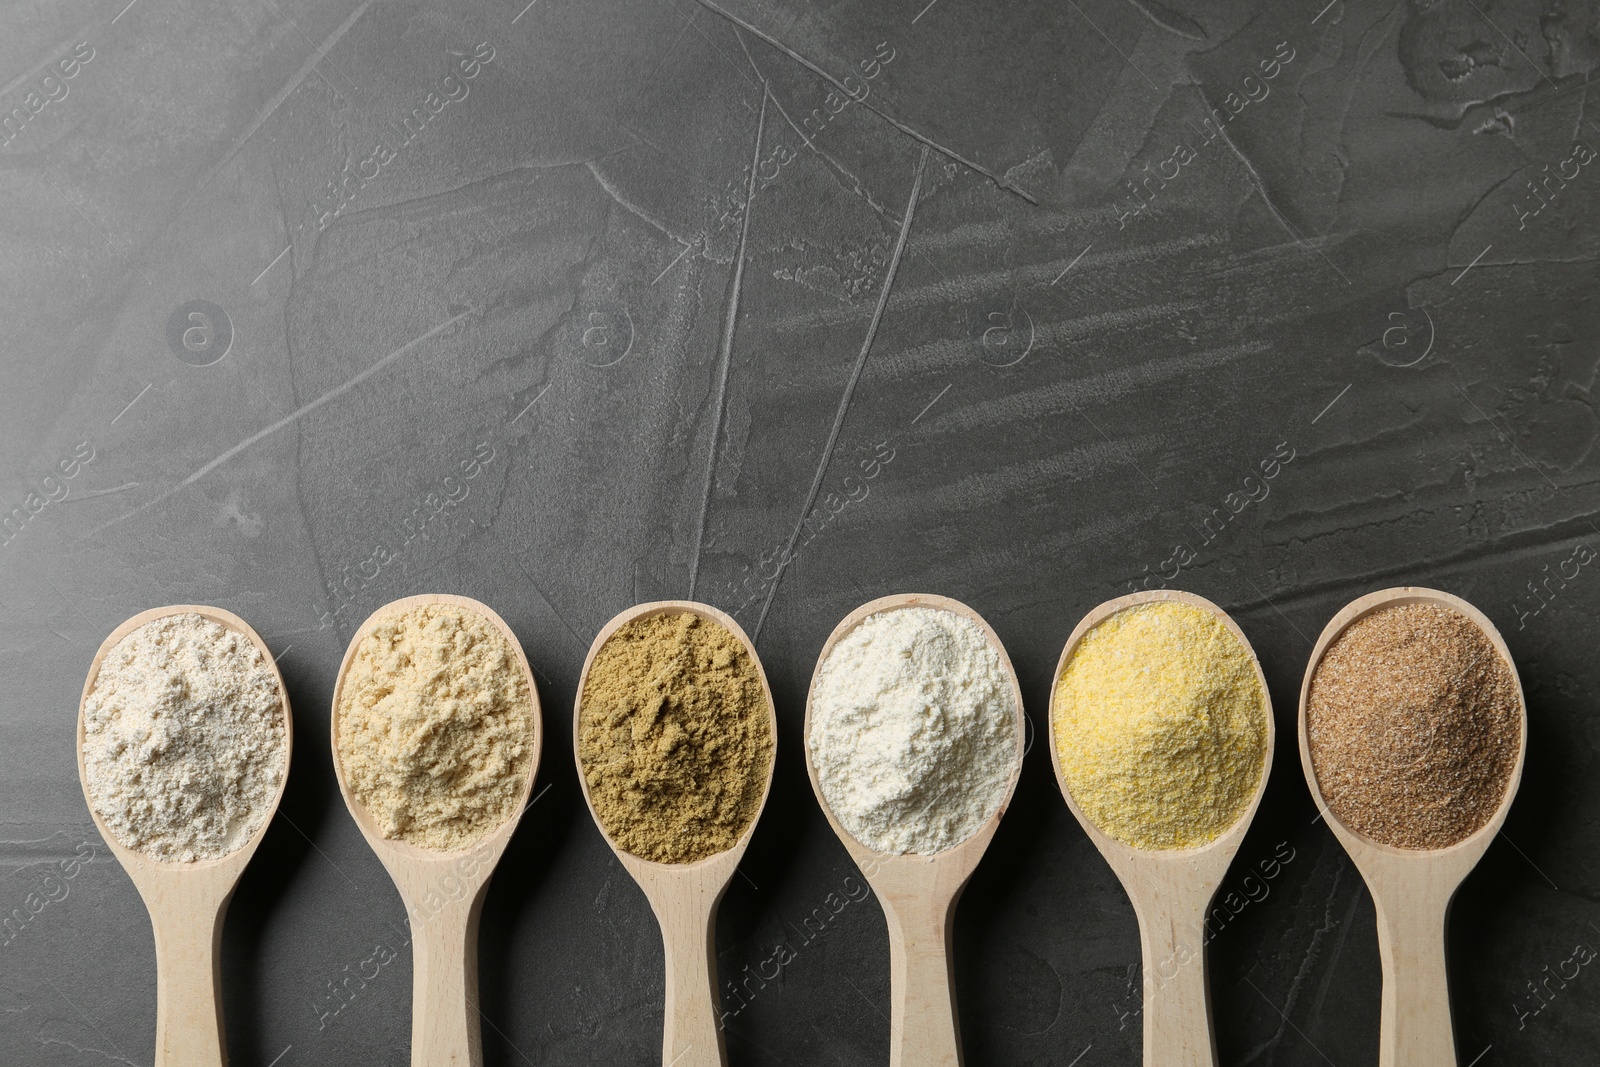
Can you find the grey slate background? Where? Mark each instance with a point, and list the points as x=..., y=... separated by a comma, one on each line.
x=678, y=270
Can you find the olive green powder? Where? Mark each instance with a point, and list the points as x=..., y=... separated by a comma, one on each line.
x=674, y=738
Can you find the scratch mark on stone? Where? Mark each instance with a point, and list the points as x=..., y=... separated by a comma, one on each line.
x=1074, y=262
x=293, y=416
x=50, y=55
x=132, y=402
x=719, y=51
x=1338, y=947
x=86, y=1019
x=102, y=234
x=725, y=357
x=849, y=389
x=84, y=1048
x=532, y=402
x=842, y=174
x=274, y=263
x=537, y=588
x=1532, y=864
x=1085, y=16
x=926, y=141
x=331, y=394
x=932, y=402
x=1536, y=68
x=687, y=248
x=1129, y=451
x=1255, y=180
x=1281, y=615
x=279, y=97
x=1287, y=1020
x=295, y=827
x=1509, y=442
x=857, y=988
x=634, y=209
x=1474, y=263
x=1332, y=402
x=101, y=492
x=1169, y=20
x=1329, y=921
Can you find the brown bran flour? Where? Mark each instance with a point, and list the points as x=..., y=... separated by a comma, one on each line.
x=1414, y=726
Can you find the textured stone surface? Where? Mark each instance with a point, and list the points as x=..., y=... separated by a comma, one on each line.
x=788, y=305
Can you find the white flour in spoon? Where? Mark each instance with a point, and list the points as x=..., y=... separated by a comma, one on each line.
x=183, y=744
x=913, y=730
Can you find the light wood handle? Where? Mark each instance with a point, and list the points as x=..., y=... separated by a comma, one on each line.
x=691, y=1037
x=188, y=981
x=444, y=987
x=1414, y=1024
x=1177, y=998
x=923, y=1030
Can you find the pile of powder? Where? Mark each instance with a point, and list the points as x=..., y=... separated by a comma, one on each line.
x=436, y=726
x=675, y=738
x=183, y=739
x=1414, y=726
x=914, y=730
x=1161, y=726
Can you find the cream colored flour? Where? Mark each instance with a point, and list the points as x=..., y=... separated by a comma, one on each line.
x=184, y=746
x=436, y=726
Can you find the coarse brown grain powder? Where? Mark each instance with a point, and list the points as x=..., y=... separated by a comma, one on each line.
x=675, y=738
x=1414, y=726
x=436, y=726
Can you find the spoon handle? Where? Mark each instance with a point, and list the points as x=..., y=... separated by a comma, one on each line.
x=188, y=935
x=692, y=1036
x=444, y=986
x=1177, y=998
x=923, y=1030
x=1414, y=1024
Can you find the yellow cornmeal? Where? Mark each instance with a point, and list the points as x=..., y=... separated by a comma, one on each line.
x=436, y=726
x=1161, y=726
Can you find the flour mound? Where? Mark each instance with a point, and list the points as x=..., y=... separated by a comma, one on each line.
x=913, y=730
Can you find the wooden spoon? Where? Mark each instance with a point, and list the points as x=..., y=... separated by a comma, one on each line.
x=1171, y=890
x=1412, y=888
x=443, y=891
x=684, y=896
x=918, y=893
x=186, y=901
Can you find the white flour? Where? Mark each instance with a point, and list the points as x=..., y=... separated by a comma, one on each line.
x=183, y=739
x=913, y=730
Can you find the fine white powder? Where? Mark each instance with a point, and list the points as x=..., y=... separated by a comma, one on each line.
x=913, y=730
x=183, y=744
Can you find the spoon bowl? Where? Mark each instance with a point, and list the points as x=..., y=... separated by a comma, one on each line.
x=187, y=902
x=918, y=893
x=1412, y=888
x=443, y=891
x=1171, y=890
x=684, y=896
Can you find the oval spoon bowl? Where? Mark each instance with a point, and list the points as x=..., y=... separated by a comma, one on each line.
x=1171, y=890
x=1412, y=888
x=684, y=896
x=918, y=893
x=187, y=902
x=443, y=891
